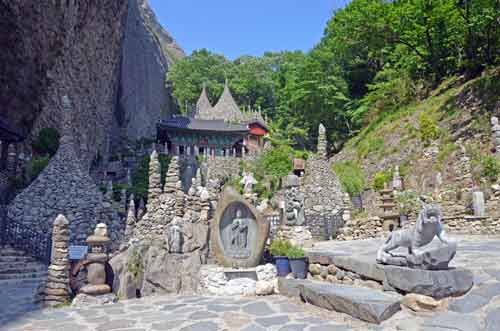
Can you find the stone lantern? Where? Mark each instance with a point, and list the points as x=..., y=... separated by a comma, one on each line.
x=96, y=262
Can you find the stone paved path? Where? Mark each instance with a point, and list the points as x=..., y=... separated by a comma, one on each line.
x=189, y=313
x=479, y=310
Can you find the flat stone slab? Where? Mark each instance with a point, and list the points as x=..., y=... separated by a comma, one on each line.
x=368, y=305
x=435, y=283
x=451, y=321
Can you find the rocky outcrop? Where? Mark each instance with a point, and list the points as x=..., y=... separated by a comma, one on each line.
x=109, y=57
x=55, y=48
x=148, y=51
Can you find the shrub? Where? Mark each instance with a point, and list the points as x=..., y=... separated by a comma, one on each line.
x=36, y=166
x=280, y=247
x=407, y=201
x=381, y=178
x=277, y=162
x=490, y=168
x=47, y=142
x=140, y=177
x=370, y=144
x=117, y=191
x=445, y=151
x=351, y=176
x=428, y=128
x=295, y=252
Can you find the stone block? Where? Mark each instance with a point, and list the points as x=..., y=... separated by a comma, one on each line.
x=290, y=287
x=435, y=283
x=368, y=305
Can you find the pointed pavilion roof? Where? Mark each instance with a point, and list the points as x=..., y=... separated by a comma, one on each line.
x=226, y=108
x=203, y=105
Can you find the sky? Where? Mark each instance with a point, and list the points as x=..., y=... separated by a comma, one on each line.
x=245, y=27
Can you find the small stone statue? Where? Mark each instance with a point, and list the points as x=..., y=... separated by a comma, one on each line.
x=248, y=181
x=175, y=236
x=415, y=238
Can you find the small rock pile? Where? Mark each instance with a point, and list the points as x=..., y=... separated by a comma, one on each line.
x=213, y=280
x=363, y=228
x=331, y=273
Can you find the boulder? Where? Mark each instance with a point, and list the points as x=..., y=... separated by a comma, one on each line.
x=266, y=272
x=263, y=287
x=332, y=269
x=368, y=305
x=315, y=269
x=419, y=302
x=435, y=283
x=240, y=286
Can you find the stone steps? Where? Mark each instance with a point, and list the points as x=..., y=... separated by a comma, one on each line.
x=19, y=269
x=11, y=258
x=20, y=277
x=24, y=275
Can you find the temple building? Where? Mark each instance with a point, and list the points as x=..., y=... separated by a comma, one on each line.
x=221, y=130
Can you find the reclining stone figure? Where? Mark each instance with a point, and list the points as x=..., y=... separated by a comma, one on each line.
x=415, y=238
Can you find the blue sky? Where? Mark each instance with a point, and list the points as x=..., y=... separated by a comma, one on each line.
x=245, y=27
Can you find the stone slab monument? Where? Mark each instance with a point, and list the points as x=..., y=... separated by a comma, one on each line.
x=239, y=232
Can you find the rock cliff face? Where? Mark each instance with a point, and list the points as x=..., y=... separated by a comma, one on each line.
x=148, y=51
x=109, y=57
x=55, y=48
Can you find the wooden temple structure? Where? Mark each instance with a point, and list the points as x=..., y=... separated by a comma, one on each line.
x=221, y=130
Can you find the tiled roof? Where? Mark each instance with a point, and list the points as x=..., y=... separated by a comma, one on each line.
x=203, y=106
x=181, y=122
x=226, y=108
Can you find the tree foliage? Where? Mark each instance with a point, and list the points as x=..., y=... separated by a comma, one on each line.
x=375, y=56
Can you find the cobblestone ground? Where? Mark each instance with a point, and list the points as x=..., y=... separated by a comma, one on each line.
x=477, y=311
x=190, y=313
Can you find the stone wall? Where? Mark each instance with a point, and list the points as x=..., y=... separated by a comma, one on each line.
x=372, y=227
x=170, y=242
x=148, y=50
x=65, y=187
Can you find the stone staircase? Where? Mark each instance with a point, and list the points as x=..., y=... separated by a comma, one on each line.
x=20, y=276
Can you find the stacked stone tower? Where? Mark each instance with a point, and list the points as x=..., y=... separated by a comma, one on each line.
x=57, y=289
x=322, y=142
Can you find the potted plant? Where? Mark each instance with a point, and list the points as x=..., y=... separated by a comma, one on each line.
x=298, y=262
x=279, y=249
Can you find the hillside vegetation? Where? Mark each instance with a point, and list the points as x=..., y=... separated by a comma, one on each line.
x=377, y=60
